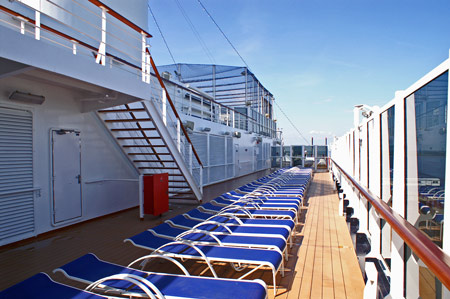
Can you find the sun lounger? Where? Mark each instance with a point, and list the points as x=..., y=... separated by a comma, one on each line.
x=42, y=286
x=205, y=237
x=195, y=217
x=89, y=269
x=258, y=258
x=249, y=212
x=256, y=204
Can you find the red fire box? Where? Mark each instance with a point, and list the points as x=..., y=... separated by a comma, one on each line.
x=156, y=193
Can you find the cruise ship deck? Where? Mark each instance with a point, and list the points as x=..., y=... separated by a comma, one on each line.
x=322, y=263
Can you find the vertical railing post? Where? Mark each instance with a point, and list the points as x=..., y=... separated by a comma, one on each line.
x=141, y=196
x=179, y=135
x=201, y=107
x=164, y=107
x=101, y=56
x=74, y=47
x=190, y=158
x=37, y=26
x=190, y=104
x=22, y=26
x=201, y=178
x=143, y=57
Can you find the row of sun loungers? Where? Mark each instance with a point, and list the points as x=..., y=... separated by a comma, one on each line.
x=250, y=228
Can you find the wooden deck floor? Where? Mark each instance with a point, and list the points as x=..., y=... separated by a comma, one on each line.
x=322, y=263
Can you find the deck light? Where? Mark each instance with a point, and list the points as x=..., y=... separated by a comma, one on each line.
x=27, y=98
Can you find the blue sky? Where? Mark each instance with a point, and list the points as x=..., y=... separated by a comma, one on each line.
x=318, y=57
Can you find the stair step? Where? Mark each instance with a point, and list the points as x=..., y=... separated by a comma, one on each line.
x=144, y=145
x=127, y=120
x=133, y=129
x=122, y=110
x=153, y=161
x=148, y=167
x=178, y=187
x=186, y=192
x=188, y=198
x=136, y=138
x=175, y=181
x=175, y=174
x=149, y=154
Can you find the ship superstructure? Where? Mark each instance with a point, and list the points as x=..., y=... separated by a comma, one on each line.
x=85, y=112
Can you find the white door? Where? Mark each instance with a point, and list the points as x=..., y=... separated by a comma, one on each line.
x=66, y=175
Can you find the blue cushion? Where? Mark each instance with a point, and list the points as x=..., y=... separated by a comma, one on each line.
x=41, y=286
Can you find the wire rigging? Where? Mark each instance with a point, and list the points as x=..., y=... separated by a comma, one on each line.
x=202, y=43
x=223, y=33
x=285, y=115
x=160, y=32
x=208, y=52
x=243, y=60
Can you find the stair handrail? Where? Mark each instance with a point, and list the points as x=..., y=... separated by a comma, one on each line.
x=432, y=255
x=174, y=110
x=68, y=37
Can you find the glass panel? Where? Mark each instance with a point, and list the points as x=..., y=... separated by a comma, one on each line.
x=276, y=151
x=426, y=159
x=387, y=166
x=309, y=155
x=426, y=134
x=296, y=161
x=297, y=151
x=286, y=151
x=297, y=154
x=322, y=151
x=287, y=156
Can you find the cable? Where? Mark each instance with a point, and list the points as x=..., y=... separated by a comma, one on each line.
x=291, y=123
x=164, y=39
x=243, y=60
x=202, y=43
x=223, y=33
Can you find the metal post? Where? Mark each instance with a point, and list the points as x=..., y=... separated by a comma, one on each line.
x=164, y=107
x=190, y=158
x=37, y=26
x=143, y=58
x=201, y=179
x=246, y=86
x=22, y=26
x=102, y=48
x=201, y=107
x=141, y=196
x=147, y=68
x=214, y=81
x=74, y=47
x=190, y=104
x=179, y=135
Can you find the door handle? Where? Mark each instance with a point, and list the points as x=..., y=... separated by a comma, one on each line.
x=78, y=177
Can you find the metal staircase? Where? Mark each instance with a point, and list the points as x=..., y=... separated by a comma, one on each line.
x=143, y=135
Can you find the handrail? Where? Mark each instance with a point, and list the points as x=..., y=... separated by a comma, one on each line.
x=213, y=100
x=119, y=17
x=161, y=82
x=117, y=58
x=433, y=256
x=63, y=35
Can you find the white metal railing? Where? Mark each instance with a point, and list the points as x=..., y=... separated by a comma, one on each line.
x=118, y=44
x=383, y=154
